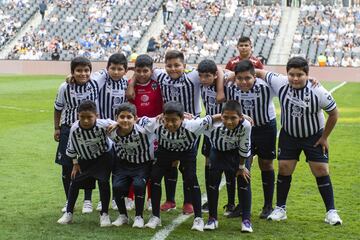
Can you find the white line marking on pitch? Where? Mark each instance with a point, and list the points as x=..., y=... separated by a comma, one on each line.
x=331, y=91
x=165, y=231
x=22, y=109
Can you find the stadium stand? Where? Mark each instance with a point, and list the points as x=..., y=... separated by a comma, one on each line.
x=329, y=33
x=94, y=29
x=13, y=15
x=211, y=30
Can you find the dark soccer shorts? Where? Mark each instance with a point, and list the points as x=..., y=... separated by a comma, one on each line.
x=263, y=140
x=290, y=148
x=61, y=157
x=224, y=160
x=124, y=172
x=94, y=169
x=206, y=146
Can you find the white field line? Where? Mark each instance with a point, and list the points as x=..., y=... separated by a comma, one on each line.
x=23, y=109
x=331, y=91
x=165, y=231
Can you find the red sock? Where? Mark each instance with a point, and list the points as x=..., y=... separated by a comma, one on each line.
x=131, y=192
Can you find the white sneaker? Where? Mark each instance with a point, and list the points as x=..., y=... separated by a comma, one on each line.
x=211, y=224
x=198, y=224
x=129, y=204
x=278, y=214
x=99, y=206
x=87, y=207
x=105, y=220
x=246, y=226
x=153, y=222
x=63, y=210
x=148, y=205
x=121, y=220
x=333, y=218
x=138, y=222
x=113, y=205
x=66, y=218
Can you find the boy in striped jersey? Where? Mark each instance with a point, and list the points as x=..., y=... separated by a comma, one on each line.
x=177, y=139
x=181, y=84
x=230, y=147
x=89, y=148
x=134, y=148
x=68, y=98
x=208, y=77
x=255, y=97
x=112, y=87
x=303, y=129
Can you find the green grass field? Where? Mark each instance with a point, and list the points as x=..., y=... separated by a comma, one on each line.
x=32, y=194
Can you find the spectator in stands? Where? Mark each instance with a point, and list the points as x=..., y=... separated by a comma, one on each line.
x=346, y=61
x=170, y=8
x=126, y=48
x=42, y=9
x=55, y=56
x=153, y=45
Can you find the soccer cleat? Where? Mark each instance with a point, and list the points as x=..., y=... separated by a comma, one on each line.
x=153, y=222
x=198, y=224
x=168, y=206
x=113, y=205
x=333, y=218
x=138, y=222
x=278, y=214
x=99, y=206
x=129, y=203
x=66, y=218
x=188, y=209
x=121, y=220
x=229, y=209
x=212, y=224
x=148, y=205
x=105, y=220
x=266, y=211
x=205, y=207
x=246, y=226
x=87, y=207
x=63, y=210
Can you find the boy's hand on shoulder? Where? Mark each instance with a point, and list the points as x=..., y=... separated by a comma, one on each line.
x=57, y=135
x=76, y=169
x=314, y=82
x=159, y=117
x=111, y=128
x=69, y=79
x=188, y=116
x=249, y=119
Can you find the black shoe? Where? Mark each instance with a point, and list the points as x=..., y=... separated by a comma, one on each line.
x=205, y=207
x=266, y=211
x=228, y=208
x=236, y=212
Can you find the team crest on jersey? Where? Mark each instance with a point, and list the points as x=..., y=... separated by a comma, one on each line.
x=174, y=92
x=117, y=100
x=144, y=98
x=248, y=105
x=154, y=86
x=296, y=111
x=256, y=90
x=212, y=101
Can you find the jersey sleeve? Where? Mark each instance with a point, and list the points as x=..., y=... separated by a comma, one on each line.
x=70, y=150
x=149, y=124
x=326, y=101
x=105, y=123
x=193, y=75
x=99, y=77
x=245, y=141
x=276, y=81
x=200, y=125
x=60, y=100
x=156, y=73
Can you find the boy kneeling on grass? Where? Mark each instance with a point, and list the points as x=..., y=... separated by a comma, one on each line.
x=90, y=149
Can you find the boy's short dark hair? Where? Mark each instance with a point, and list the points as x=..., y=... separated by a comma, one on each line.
x=128, y=107
x=174, y=54
x=244, y=66
x=174, y=107
x=244, y=39
x=232, y=105
x=87, y=105
x=117, y=58
x=144, y=60
x=298, y=62
x=207, y=66
x=80, y=61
